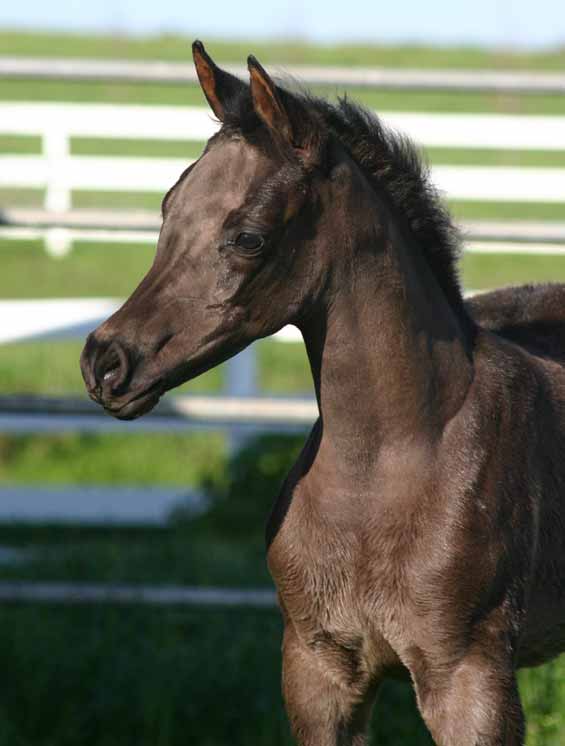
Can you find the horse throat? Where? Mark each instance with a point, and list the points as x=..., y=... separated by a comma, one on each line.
x=391, y=361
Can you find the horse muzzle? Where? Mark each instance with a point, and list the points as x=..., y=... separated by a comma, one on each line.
x=108, y=370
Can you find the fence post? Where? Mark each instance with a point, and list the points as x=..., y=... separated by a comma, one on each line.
x=57, y=194
x=241, y=382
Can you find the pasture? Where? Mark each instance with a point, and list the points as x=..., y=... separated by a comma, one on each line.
x=114, y=675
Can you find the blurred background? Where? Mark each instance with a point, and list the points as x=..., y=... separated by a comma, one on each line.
x=136, y=607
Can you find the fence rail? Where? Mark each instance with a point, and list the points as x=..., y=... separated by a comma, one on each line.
x=93, y=593
x=148, y=122
x=239, y=415
x=59, y=172
x=222, y=410
x=504, y=81
x=482, y=183
x=144, y=225
x=97, y=505
x=70, y=318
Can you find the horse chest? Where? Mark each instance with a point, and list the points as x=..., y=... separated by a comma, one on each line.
x=347, y=579
x=333, y=596
x=314, y=565
x=314, y=574
x=329, y=573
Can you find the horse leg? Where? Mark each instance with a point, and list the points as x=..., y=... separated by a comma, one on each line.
x=323, y=710
x=475, y=704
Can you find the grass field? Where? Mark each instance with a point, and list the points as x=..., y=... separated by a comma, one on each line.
x=133, y=675
x=120, y=676
x=29, y=272
x=181, y=95
x=113, y=677
x=28, y=144
x=52, y=367
x=110, y=676
x=176, y=48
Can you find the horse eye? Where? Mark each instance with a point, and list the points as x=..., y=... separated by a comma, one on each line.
x=250, y=241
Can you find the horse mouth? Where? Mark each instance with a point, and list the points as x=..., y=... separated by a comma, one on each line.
x=137, y=406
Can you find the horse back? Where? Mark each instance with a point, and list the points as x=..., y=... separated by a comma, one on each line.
x=532, y=316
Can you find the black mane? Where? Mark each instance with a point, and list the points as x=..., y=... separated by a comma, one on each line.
x=394, y=163
x=390, y=160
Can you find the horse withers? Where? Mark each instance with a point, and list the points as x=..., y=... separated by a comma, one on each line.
x=422, y=528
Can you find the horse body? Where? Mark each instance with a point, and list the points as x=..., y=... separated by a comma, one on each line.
x=422, y=527
x=440, y=555
x=444, y=564
x=532, y=317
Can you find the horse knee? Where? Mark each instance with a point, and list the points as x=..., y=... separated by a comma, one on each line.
x=321, y=710
x=477, y=704
x=328, y=726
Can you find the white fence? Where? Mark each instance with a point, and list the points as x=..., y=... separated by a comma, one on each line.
x=502, y=81
x=119, y=594
x=59, y=172
x=68, y=318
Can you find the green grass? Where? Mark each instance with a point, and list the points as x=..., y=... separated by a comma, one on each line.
x=131, y=656
x=543, y=695
x=461, y=210
x=113, y=270
x=52, y=367
x=164, y=557
x=145, y=148
x=185, y=95
x=103, y=676
x=177, y=48
x=90, y=270
x=137, y=675
x=183, y=459
x=20, y=144
x=122, y=200
x=24, y=144
x=19, y=197
x=467, y=210
x=114, y=676
x=492, y=270
x=456, y=102
x=119, y=677
x=486, y=157
x=27, y=144
x=179, y=459
x=174, y=47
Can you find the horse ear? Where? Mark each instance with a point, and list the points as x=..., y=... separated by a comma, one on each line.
x=267, y=102
x=218, y=86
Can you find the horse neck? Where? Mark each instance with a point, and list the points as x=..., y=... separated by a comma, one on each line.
x=390, y=359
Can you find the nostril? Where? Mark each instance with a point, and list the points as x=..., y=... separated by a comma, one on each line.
x=111, y=373
x=111, y=367
x=105, y=363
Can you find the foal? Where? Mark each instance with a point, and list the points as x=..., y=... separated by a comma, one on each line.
x=422, y=527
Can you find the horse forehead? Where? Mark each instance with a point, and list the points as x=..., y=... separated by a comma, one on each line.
x=227, y=172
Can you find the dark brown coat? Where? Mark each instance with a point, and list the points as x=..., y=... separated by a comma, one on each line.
x=422, y=528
